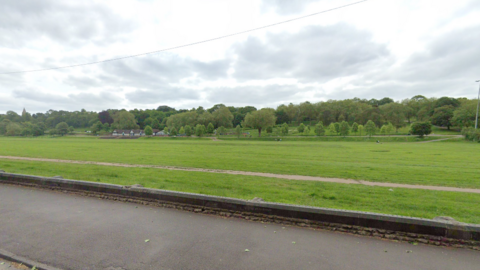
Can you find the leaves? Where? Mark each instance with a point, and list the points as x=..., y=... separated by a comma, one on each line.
x=247, y=250
x=147, y=240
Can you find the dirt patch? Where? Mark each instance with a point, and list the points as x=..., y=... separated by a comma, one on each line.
x=269, y=175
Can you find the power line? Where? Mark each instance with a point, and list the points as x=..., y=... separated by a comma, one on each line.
x=186, y=45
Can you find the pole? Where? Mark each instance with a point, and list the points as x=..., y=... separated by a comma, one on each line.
x=478, y=103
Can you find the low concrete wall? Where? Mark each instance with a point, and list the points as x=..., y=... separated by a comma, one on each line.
x=354, y=218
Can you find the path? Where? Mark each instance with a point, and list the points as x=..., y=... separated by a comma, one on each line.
x=73, y=232
x=270, y=175
x=438, y=140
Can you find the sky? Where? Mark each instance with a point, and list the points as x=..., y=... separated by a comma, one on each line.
x=373, y=49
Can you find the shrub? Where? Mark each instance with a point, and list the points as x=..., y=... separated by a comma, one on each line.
x=301, y=128
x=421, y=128
x=471, y=134
x=148, y=130
x=188, y=130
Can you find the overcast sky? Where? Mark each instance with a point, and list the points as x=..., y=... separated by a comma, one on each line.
x=375, y=49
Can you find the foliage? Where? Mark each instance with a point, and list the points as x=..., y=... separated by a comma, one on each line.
x=181, y=131
x=97, y=127
x=200, y=130
x=355, y=127
x=370, y=128
x=471, y=134
x=285, y=129
x=260, y=119
x=269, y=129
x=221, y=130
x=306, y=131
x=165, y=130
x=148, y=130
x=173, y=131
x=442, y=116
x=383, y=130
x=301, y=128
x=124, y=120
x=336, y=125
x=210, y=128
x=104, y=117
x=62, y=128
x=188, y=130
x=421, y=128
x=238, y=131
x=319, y=129
x=464, y=116
x=331, y=129
x=361, y=128
x=222, y=117
x=344, y=128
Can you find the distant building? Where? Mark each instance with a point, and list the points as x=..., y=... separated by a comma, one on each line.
x=136, y=132
x=128, y=132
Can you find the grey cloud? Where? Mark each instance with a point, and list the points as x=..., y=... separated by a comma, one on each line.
x=447, y=66
x=151, y=72
x=162, y=95
x=315, y=54
x=254, y=94
x=72, y=23
x=40, y=99
x=450, y=56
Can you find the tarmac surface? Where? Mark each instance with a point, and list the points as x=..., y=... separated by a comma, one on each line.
x=74, y=232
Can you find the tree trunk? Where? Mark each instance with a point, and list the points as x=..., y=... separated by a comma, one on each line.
x=259, y=132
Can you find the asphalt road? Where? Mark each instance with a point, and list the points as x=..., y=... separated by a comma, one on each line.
x=73, y=232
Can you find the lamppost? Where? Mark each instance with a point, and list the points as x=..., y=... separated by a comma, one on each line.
x=478, y=103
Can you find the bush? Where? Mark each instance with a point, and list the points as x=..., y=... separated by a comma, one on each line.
x=301, y=128
x=421, y=128
x=210, y=128
x=285, y=129
x=200, y=130
x=238, y=131
x=471, y=134
x=319, y=129
x=188, y=130
x=148, y=131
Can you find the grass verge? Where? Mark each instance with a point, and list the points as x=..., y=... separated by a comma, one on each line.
x=405, y=202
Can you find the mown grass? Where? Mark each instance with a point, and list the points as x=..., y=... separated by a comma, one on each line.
x=438, y=163
x=406, y=202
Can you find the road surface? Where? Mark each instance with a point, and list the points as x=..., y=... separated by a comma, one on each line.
x=73, y=232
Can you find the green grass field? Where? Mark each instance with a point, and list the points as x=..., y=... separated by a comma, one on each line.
x=447, y=163
x=406, y=202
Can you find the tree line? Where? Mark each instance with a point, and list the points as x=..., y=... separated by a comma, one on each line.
x=444, y=111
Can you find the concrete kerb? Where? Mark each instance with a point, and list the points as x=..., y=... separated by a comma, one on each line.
x=460, y=231
x=29, y=263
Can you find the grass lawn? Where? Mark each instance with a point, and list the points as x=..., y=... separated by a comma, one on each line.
x=406, y=202
x=443, y=163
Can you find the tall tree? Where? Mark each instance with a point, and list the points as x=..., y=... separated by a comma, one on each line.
x=442, y=116
x=62, y=128
x=124, y=120
x=223, y=117
x=260, y=119
x=370, y=128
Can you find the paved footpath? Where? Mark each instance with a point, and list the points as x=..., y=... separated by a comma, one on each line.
x=73, y=232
